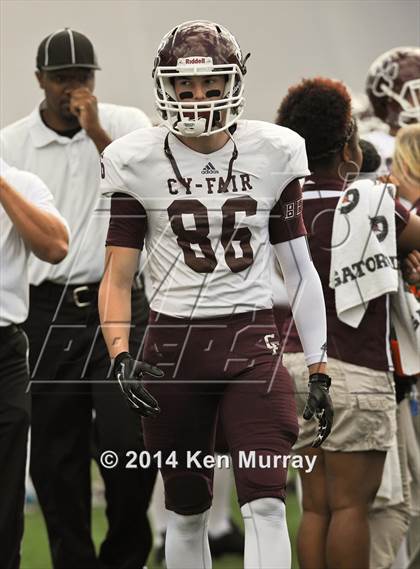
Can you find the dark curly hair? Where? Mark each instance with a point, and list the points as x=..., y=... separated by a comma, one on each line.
x=319, y=110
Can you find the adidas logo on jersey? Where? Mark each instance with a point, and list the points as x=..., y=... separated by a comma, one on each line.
x=209, y=169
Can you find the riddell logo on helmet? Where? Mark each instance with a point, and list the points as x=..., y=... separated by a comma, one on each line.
x=195, y=61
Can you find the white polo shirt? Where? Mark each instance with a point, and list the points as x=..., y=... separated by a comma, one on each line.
x=14, y=253
x=71, y=169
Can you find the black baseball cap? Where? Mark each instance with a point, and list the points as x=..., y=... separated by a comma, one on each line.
x=64, y=49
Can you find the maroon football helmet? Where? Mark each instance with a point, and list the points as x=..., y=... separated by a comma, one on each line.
x=192, y=49
x=393, y=86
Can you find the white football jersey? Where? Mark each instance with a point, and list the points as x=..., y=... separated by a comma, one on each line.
x=208, y=251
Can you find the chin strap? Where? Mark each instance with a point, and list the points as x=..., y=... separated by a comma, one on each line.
x=195, y=128
x=191, y=128
x=170, y=157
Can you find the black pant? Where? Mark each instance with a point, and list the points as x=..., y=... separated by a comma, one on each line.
x=14, y=425
x=69, y=367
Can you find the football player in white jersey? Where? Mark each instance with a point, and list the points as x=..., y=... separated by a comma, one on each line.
x=210, y=194
x=393, y=88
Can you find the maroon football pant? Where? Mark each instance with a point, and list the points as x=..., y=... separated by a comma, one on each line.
x=228, y=366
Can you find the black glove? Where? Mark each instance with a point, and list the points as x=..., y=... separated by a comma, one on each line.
x=129, y=373
x=319, y=404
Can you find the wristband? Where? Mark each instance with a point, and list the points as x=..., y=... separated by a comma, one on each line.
x=121, y=356
x=320, y=378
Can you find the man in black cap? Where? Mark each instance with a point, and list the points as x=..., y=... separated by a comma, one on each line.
x=73, y=401
x=66, y=62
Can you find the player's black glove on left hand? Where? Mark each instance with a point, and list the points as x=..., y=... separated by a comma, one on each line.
x=129, y=373
x=319, y=404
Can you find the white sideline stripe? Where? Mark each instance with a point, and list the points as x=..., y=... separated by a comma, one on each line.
x=318, y=194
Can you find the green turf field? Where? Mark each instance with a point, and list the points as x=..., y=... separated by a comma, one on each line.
x=35, y=554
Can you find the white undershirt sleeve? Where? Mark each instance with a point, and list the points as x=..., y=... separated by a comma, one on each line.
x=306, y=297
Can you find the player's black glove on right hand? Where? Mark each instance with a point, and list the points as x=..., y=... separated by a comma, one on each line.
x=129, y=373
x=319, y=404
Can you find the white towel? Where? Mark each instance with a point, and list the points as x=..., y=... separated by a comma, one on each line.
x=405, y=318
x=363, y=248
